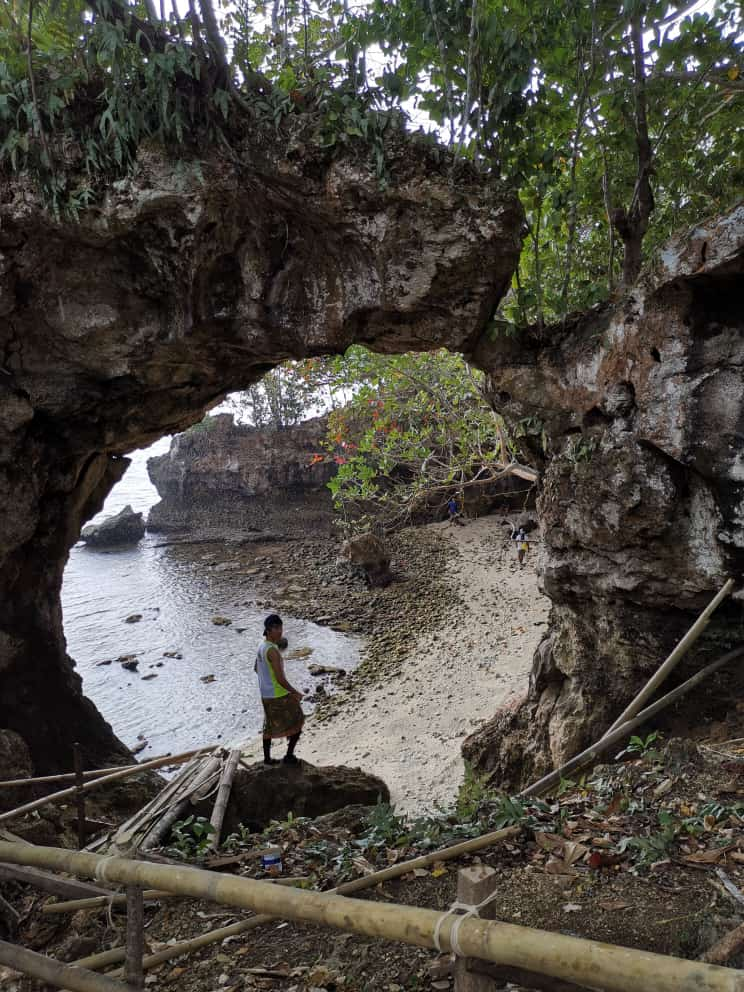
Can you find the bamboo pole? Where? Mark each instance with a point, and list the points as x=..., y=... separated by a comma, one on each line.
x=223, y=795
x=79, y=794
x=135, y=945
x=355, y=885
x=196, y=943
x=97, y=902
x=614, y=737
x=125, y=772
x=445, y=854
x=54, y=972
x=674, y=658
x=69, y=776
x=585, y=962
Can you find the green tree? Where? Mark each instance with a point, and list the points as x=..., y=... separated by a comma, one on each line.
x=283, y=397
x=415, y=431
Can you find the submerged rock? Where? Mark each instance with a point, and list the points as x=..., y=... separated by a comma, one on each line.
x=263, y=793
x=125, y=527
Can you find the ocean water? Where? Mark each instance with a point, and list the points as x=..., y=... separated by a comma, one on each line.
x=177, y=590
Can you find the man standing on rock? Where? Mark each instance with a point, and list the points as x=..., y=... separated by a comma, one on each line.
x=283, y=716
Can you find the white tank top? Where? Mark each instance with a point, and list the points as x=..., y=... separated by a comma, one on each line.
x=267, y=682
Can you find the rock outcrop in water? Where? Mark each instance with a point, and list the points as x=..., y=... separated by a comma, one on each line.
x=231, y=480
x=125, y=527
x=181, y=287
x=642, y=499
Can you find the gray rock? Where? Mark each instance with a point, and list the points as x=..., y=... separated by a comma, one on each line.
x=125, y=527
x=263, y=793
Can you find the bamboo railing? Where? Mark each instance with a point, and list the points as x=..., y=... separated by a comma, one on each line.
x=585, y=962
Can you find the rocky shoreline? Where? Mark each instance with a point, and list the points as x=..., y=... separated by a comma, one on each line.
x=446, y=643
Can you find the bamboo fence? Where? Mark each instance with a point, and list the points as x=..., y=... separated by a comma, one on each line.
x=585, y=962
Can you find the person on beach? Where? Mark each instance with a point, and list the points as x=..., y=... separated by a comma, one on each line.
x=283, y=716
x=523, y=545
x=454, y=512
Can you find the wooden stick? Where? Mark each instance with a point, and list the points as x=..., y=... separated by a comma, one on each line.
x=149, y=895
x=55, y=797
x=499, y=976
x=12, y=917
x=97, y=902
x=725, y=948
x=69, y=776
x=54, y=972
x=56, y=886
x=584, y=962
x=674, y=658
x=445, y=854
x=591, y=753
x=79, y=794
x=223, y=795
x=135, y=938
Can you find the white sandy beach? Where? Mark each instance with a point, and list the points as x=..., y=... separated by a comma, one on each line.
x=408, y=730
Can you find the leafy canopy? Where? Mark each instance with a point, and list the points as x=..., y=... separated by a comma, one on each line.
x=618, y=120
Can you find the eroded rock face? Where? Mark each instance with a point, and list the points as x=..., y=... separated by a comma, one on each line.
x=642, y=499
x=233, y=480
x=179, y=289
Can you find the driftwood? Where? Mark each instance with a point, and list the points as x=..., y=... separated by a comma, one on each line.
x=56, y=886
x=609, y=740
x=571, y=959
x=725, y=948
x=674, y=658
x=223, y=795
x=129, y=770
x=65, y=976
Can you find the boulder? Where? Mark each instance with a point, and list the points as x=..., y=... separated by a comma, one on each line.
x=125, y=527
x=263, y=793
x=15, y=762
x=369, y=553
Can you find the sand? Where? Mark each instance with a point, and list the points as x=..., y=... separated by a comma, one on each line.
x=409, y=730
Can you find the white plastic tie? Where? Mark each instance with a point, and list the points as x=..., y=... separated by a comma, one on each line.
x=468, y=911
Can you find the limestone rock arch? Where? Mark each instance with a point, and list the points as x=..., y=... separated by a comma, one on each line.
x=178, y=289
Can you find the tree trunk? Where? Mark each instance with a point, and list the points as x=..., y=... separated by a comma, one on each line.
x=632, y=224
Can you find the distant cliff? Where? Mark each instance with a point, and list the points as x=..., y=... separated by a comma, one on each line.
x=225, y=479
